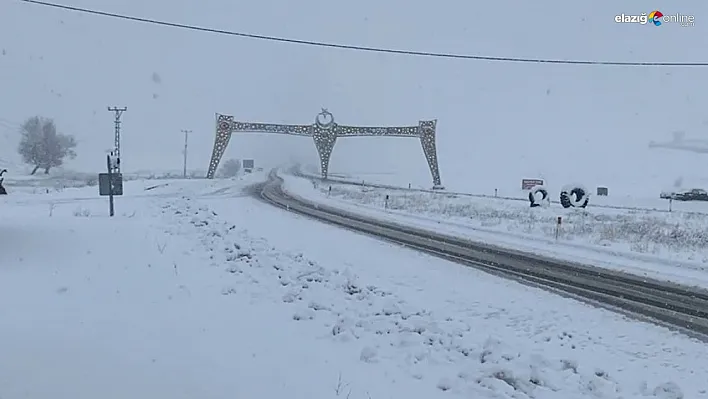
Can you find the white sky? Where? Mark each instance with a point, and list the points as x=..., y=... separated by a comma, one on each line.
x=498, y=122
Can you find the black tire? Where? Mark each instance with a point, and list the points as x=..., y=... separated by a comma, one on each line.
x=532, y=196
x=581, y=198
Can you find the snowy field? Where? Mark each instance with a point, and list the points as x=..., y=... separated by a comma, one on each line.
x=59, y=179
x=515, y=193
x=671, y=246
x=195, y=289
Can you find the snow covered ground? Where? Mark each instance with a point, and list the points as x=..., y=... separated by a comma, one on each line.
x=195, y=289
x=59, y=180
x=671, y=246
x=623, y=202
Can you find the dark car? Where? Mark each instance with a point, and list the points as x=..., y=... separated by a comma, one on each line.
x=695, y=194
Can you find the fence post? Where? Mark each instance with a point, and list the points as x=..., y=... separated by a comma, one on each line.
x=558, y=226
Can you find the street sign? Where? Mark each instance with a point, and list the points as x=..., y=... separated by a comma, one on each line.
x=528, y=184
x=248, y=165
x=104, y=187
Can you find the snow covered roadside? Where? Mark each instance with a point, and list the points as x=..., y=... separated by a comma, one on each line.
x=435, y=327
x=151, y=188
x=390, y=182
x=669, y=246
x=92, y=307
x=197, y=304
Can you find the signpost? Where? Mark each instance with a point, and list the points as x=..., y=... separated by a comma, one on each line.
x=110, y=183
x=248, y=165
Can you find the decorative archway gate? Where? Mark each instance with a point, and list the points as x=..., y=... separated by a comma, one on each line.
x=325, y=132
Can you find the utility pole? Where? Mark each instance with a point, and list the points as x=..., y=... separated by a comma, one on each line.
x=186, y=133
x=111, y=207
x=116, y=152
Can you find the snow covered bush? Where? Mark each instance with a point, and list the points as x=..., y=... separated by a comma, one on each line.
x=82, y=212
x=642, y=231
x=230, y=168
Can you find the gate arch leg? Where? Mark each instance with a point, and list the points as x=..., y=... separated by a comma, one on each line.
x=427, y=140
x=223, y=135
x=324, y=138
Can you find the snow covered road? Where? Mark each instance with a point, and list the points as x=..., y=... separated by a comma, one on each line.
x=210, y=293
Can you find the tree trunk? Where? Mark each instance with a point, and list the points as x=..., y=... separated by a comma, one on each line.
x=46, y=170
x=35, y=170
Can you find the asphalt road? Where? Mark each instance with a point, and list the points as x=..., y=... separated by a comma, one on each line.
x=681, y=307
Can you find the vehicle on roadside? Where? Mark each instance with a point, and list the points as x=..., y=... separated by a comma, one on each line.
x=694, y=194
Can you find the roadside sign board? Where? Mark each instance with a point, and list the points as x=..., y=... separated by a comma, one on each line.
x=528, y=184
x=104, y=184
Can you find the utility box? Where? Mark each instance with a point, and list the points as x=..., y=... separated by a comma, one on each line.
x=602, y=191
x=104, y=184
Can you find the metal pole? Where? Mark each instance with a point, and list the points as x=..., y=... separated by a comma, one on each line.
x=110, y=186
x=118, y=113
x=184, y=171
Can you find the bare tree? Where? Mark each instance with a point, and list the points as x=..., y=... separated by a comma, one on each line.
x=230, y=168
x=42, y=146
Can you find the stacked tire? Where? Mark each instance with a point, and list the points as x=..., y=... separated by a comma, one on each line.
x=571, y=196
x=574, y=196
x=532, y=196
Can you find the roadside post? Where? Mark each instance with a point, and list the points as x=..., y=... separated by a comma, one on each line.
x=111, y=184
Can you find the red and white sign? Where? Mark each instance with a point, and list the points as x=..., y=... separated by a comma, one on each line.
x=528, y=184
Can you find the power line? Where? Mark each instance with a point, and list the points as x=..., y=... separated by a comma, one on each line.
x=361, y=48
